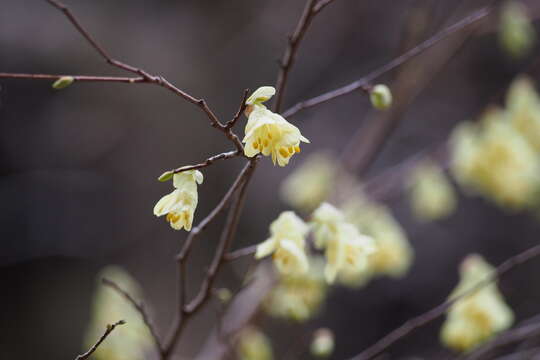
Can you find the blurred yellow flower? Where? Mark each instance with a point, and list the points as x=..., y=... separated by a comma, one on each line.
x=475, y=318
x=298, y=296
x=393, y=255
x=269, y=133
x=131, y=341
x=180, y=205
x=311, y=183
x=287, y=244
x=523, y=106
x=325, y=221
x=496, y=161
x=322, y=344
x=431, y=195
x=253, y=345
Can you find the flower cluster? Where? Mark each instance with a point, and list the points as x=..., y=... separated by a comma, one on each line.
x=475, y=318
x=179, y=206
x=498, y=157
x=132, y=342
x=269, y=133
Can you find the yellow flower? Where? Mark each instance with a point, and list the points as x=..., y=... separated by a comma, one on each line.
x=475, y=318
x=287, y=244
x=523, y=106
x=253, y=345
x=432, y=196
x=322, y=344
x=269, y=133
x=349, y=253
x=325, y=221
x=311, y=183
x=298, y=296
x=131, y=341
x=393, y=256
x=180, y=205
x=496, y=161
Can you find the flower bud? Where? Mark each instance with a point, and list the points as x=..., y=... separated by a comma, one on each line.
x=381, y=97
x=63, y=82
x=323, y=343
x=166, y=176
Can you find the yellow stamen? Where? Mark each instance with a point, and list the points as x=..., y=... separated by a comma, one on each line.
x=283, y=151
x=255, y=145
x=265, y=142
x=297, y=148
x=269, y=136
x=291, y=150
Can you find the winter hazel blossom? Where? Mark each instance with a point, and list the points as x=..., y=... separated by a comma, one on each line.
x=287, y=244
x=475, y=318
x=347, y=250
x=269, y=133
x=179, y=206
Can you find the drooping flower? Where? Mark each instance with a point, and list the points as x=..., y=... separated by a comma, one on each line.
x=253, y=345
x=311, y=183
x=393, y=256
x=477, y=317
x=431, y=195
x=131, y=341
x=346, y=249
x=179, y=206
x=269, y=133
x=298, y=296
x=287, y=244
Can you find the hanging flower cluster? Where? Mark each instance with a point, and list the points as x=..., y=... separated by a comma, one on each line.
x=498, y=158
x=269, y=133
x=475, y=318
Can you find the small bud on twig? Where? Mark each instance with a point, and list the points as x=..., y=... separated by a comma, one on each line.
x=166, y=176
x=63, y=82
x=381, y=97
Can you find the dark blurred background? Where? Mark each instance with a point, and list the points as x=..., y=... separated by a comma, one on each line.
x=78, y=167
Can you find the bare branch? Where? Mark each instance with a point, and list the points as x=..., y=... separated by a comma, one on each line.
x=140, y=309
x=240, y=111
x=237, y=254
x=84, y=78
x=209, y=161
x=289, y=56
x=439, y=310
x=108, y=330
x=364, y=83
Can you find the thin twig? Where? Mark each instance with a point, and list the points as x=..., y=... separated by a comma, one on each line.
x=122, y=79
x=140, y=309
x=237, y=254
x=321, y=5
x=240, y=111
x=289, y=56
x=209, y=161
x=439, y=310
x=108, y=330
x=364, y=82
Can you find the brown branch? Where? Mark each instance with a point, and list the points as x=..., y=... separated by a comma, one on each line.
x=321, y=5
x=419, y=321
x=209, y=161
x=148, y=78
x=85, y=78
x=108, y=330
x=364, y=82
x=140, y=309
x=239, y=184
x=289, y=56
x=237, y=254
x=230, y=124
